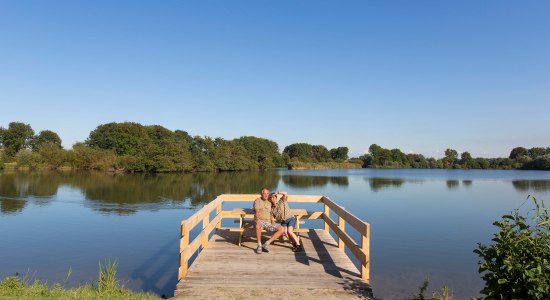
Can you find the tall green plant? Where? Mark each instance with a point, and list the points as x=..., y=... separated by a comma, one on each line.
x=107, y=281
x=517, y=264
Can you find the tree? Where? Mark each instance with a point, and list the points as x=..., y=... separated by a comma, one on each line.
x=46, y=136
x=450, y=157
x=320, y=153
x=18, y=136
x=263, y=151
x=340, y=153
x=466, y=160
x=536, y=152
x=301, y=151
x=124, y=138
x=518, y=152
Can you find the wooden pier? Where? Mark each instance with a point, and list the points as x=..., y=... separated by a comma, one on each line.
x=224, y=269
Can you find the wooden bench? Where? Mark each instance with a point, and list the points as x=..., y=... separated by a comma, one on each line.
x=246, y=221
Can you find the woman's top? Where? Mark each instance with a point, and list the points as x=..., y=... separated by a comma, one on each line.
x=280, y=210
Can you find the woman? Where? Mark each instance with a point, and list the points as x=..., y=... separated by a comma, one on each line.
x=281, y=213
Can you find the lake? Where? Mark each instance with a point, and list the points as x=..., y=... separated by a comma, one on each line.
x=424, y=223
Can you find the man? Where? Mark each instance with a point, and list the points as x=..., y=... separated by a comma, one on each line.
x=264, y=220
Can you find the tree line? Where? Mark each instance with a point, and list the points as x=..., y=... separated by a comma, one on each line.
x=133, y=147
x=536, y=158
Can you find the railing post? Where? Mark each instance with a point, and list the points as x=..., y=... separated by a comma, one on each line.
x=342, y=226
x=205, y=222
x=327, y=214
x=219, y=211
x=184, y=241
x=365, y=246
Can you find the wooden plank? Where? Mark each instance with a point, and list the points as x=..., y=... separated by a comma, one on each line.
x=198, y=216
x=194, y=246
x=322, y=266
x=252, y=197
x=351, y=219
x=353, y=247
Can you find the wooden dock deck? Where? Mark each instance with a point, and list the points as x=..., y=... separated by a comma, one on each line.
x=223, y=270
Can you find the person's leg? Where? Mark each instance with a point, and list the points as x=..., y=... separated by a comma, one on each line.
x=258, y=226
x=299, y=247
x=277, y=234
x=293, y=236
x=259, y=231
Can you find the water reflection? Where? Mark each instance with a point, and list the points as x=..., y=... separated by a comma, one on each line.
x=126, y=194
x=11, y=206
x=531, y=185
x=452, y=184
x=306, y=182
x=377, y=184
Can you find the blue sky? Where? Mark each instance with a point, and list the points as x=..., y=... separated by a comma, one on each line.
x=421, y=76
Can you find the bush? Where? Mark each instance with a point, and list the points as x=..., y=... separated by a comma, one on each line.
x=517, y=265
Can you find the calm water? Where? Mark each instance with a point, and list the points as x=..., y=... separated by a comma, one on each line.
x=424, y=223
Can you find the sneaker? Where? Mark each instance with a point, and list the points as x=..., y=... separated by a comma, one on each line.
x=264, y=248
x=259, y=249
x=299, y=248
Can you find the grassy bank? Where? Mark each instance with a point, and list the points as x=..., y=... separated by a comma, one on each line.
x=323, y=165
x=107, y=287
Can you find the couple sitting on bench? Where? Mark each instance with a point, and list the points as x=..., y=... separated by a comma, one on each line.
x=273, y=214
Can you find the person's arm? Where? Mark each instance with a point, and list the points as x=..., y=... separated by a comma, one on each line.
x=256, y=211
x=285, y=195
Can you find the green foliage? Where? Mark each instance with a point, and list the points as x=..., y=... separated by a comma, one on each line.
x=339, y=154
x=301, y=151
x=262, y=151
x=517, y=264
x=26, y=158
x=46, y=137
x=539, y=163
x=107, y=281
x=15, y=287
x=307, y=153
x=50, y=155
x=297, y=165
x=451, y=156
x=16, y=137
x=124, y=138
x=518, y=152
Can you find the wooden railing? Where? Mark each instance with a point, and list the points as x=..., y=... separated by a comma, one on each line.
x=361, y=249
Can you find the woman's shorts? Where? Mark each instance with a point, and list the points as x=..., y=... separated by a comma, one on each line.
x=290, y=222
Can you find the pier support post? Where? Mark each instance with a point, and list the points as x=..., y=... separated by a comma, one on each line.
x=341, y=225
x=184, y=241
x=365, y=246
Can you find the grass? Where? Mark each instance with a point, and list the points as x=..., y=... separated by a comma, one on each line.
x=435, y=295
x=108, y=287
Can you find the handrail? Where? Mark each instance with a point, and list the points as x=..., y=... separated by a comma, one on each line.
x=361, y=250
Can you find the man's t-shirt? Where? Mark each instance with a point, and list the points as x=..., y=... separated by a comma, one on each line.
x=265, y=208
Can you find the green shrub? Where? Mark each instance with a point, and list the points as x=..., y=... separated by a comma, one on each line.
x=517, y=265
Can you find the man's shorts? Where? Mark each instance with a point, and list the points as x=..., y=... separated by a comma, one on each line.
x=290, y=222
x=266, y=225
